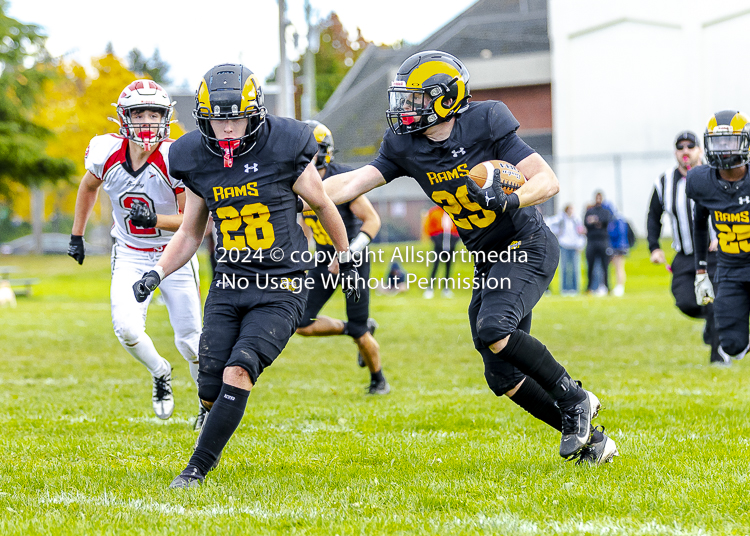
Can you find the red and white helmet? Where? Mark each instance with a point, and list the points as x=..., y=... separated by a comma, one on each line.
x=144, y=94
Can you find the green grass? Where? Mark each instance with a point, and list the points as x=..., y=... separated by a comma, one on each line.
x=83, y=453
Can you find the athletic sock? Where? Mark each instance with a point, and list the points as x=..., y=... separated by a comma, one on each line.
x=597, y=436
x=221, y=422
x=536, y=401
x=532, y=358
x=377, y=376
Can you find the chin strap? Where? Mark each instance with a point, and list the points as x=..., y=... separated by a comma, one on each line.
x=229, y=146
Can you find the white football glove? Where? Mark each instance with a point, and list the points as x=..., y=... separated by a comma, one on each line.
x=704, y=290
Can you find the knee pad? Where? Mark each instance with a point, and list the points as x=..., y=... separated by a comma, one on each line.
x=210, y=379
x=356, y=329
x=128, y=334
x=691, y=309
x=492, y=328
x=501, y=376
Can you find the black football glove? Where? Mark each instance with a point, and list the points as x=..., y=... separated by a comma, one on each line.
x=142, y=216
x=493, y=198
x=300, y=204
x=143, y=287
x=76, y=248
x=349, y=279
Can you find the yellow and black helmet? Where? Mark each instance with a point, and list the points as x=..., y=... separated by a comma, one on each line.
x=727, y=140
x=229, y=91
x=325, y=143
x=430, y=88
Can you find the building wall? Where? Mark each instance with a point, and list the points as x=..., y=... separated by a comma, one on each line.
x=531, y=105
x=627, y=76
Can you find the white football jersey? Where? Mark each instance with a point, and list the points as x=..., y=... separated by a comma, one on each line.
x=106, y=159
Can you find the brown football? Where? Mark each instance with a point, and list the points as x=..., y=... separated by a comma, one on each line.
x=510, y=178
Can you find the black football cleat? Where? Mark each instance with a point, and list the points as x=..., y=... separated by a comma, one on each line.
x=200, y=419
x=372, y=325
x=599, y=453
x=379, y=387
x=190, y=477
x=576, y=423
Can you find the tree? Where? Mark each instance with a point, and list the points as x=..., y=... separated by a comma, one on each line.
x=23, y=140
x=154, y=67
x=336, y=56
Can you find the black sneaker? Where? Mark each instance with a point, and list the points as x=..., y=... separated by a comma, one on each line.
x=200, y=419
x=161, y=396
x=599, y=453
x=190, y=477
x=379, y=387
x=372, y=325
x=576, y=424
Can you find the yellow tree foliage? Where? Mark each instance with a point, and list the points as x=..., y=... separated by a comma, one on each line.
x=75, y=107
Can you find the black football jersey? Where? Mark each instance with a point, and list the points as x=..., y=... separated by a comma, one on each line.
x=729, y=205
x=252, y=202
x=351, y=222
x=485, y=131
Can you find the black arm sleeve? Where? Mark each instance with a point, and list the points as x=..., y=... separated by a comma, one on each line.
x=653, y=223
x=700, y=236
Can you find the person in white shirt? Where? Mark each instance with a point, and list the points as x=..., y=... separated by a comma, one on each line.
x=147, y=205
x=571, y=234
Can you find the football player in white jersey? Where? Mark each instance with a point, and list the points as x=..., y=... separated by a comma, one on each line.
x=147, y=209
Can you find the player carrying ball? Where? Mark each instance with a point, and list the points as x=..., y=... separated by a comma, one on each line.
x=436, y=137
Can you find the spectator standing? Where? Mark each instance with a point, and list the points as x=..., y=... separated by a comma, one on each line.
x=596, y=221
x=571, y=234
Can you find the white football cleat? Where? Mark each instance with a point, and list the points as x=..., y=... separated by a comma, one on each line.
x=161, y=396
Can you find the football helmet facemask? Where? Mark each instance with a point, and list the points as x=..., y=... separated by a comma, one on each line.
x=229, y=91
x=430, y=88
x=325, y=143
x=144, y=95
x=727, y=140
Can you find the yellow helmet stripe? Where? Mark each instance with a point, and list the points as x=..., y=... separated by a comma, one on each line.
x=739, y=121
x=203, y=96
x=428, y=69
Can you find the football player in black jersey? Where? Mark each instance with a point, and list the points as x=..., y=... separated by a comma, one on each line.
x=362, y=224
x=246, y=168
x=722, y=189
x=436, y=136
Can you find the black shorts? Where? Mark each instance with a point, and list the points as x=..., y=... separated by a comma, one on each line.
x=247, y=326
x=319, y=282
x=495, y=313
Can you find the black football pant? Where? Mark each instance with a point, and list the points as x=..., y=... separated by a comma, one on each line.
x=596, y=252
x=732, y=313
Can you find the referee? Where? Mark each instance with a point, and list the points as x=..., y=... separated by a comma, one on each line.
x=669, y=196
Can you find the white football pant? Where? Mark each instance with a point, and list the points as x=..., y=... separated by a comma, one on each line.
x=181, y=291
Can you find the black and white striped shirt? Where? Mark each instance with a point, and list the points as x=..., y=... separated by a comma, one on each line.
x=669, y=196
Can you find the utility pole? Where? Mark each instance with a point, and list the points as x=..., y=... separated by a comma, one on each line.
x=286, y=82
x=313, y=45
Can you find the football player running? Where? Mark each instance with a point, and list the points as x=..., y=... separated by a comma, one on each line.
x=147, y=206
x=722, y=189
x=436, y=136
x=362, y=224
x=246, y=168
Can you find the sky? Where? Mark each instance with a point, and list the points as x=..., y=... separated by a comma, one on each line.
x=192, y=38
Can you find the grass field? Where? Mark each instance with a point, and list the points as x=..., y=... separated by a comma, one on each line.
x=84, y=454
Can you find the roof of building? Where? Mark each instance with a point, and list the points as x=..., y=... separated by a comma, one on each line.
x=488, y=29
